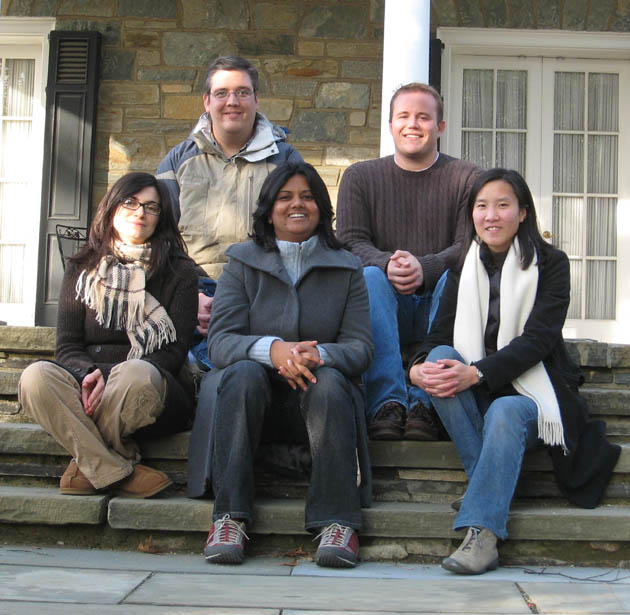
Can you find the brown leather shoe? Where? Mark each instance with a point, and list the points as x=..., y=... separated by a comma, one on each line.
x=73, y=481
x=422, y=424
x=389, y=422
x=143, y=482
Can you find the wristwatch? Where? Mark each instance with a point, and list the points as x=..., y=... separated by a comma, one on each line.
x=479, y=375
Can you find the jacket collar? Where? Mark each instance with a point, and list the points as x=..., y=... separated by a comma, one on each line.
x=262, y=145
x=270, y=262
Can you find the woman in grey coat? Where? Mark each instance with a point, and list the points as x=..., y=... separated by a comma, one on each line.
x=290, y=337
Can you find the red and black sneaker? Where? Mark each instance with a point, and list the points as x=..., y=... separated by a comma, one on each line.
x=338, y=548
x=226, y=542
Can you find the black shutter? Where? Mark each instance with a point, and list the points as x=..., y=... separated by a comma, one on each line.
x=71, y=100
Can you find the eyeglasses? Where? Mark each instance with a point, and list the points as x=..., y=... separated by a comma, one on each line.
x=241, y=93
x=150, y=207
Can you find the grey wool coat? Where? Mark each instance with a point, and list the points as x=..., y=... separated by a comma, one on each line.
x=255, y=297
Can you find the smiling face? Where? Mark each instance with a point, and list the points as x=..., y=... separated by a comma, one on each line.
x=136, y=227
x=232, y=117
x=415, y=129
x=295, y=214
x=497, y=215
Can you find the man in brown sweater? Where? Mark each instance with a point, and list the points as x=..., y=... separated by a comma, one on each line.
x=404, y=216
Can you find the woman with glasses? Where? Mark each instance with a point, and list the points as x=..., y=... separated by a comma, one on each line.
x=127, y=311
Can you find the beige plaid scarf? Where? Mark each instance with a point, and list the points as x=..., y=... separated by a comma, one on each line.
x=115, y=290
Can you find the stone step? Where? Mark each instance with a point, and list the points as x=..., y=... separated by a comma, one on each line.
x=31, y=439
x=557, y=522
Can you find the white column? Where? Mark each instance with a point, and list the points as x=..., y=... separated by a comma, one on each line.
x=405, y=54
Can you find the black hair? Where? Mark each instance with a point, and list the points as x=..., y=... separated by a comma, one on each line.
x=166, y=241
x=263, y=232
x=232, y=63
x=529, y=237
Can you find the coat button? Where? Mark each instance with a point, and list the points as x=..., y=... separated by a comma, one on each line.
x=98, y=349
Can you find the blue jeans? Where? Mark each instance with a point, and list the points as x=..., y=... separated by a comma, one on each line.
x=396, y=319
x=491, y=438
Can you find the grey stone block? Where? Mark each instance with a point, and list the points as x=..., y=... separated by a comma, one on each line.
x=28, y=339
x=155, y=9
x=48, y=506
x=194, y=48
x=343, y=22
x=27, y=439
x=262, y=44
x=117, y=65
x=320, y=127
x=9, y=380
x=343, y=95
x=607, y=401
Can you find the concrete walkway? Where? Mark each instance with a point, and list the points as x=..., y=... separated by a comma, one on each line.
x=85, y=582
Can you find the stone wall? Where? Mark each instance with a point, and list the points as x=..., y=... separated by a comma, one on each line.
x=320, y=63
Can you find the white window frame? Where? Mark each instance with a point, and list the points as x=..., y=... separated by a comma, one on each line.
x=513, y=44
x=30, y=34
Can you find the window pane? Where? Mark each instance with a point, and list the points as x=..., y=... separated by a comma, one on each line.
x=18, y=87
x=603, y=102
x=12, y=226
x=512, y=99
x=477, y=104
x=568, y=163
x=575, y=306
x=511, y=151
x=477, y=147
x=602, y=164
x=600, y=289
x=568, y=224
x=16, y=150
x=602, y=224
x=568, y=101
x=11, y=274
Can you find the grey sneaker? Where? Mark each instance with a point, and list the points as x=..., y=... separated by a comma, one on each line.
x=226, y=542
x=477, y=553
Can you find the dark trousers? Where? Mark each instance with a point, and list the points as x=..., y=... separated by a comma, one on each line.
x=253, y=404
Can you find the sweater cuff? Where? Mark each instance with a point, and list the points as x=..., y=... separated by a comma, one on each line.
x=260, y=350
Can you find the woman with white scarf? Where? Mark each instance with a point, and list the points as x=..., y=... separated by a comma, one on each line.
x=498, y=373
x=126, y=316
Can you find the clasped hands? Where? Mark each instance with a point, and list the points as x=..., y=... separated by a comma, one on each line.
x=404, y=272
x=92, y=388
x=445, y=378
x=295, y=360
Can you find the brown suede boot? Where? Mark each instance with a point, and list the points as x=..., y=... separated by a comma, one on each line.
x=73, y=481
x=143, y=482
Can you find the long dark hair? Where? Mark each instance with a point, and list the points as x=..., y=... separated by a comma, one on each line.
x=166, y=241
x=529, y=236
x=263, y=232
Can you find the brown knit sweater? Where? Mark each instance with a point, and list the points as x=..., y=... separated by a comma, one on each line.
x=84, y=345
x=382, y=208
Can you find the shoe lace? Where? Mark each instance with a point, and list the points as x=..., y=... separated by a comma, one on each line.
x=473, y=537
x=334, y=535
x=229, y=531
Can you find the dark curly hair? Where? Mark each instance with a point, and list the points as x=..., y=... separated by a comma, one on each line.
x=263, y=232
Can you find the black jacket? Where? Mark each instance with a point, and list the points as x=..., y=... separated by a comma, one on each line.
x=583, y=473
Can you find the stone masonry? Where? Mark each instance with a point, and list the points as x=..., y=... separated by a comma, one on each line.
x=320, y=64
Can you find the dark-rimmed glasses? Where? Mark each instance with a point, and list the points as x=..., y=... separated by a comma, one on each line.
x=150, y=207
x=241, y=93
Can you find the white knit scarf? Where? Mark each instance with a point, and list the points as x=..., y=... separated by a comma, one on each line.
x=518, y=293
x=115, y=290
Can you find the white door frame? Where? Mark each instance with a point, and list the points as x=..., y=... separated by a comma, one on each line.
x=28, y=37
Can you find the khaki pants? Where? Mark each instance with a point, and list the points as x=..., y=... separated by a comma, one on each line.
x=134, y=396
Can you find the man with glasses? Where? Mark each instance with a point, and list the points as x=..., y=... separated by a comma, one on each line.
x=215, y=175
